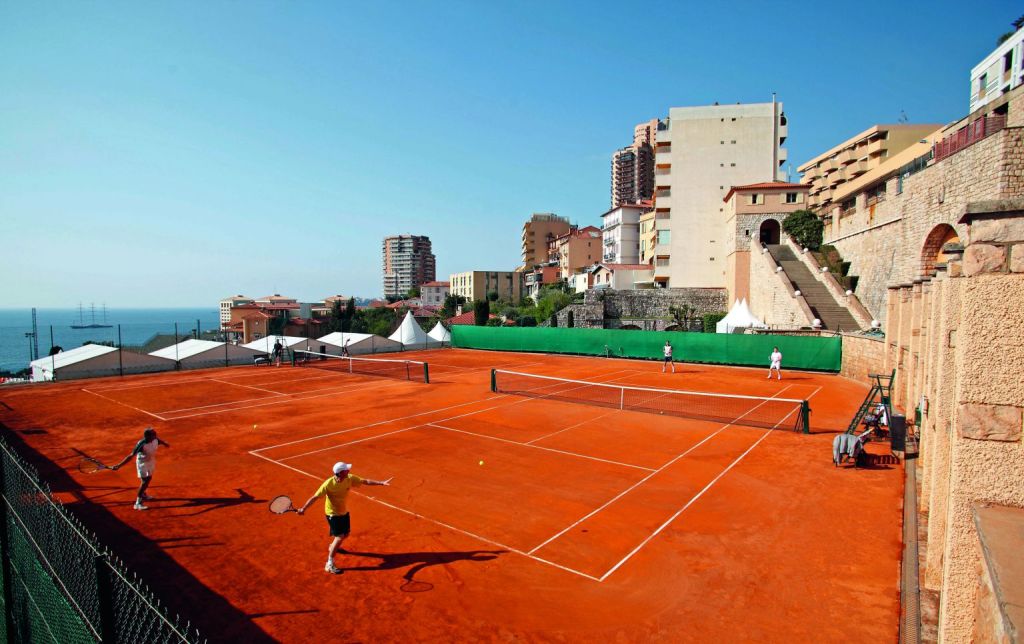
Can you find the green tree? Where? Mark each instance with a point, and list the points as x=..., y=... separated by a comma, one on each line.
x=336, y=317
x=492, y=296
x=451, y=304
x=413, y=292
x=481, y=312
x=805, y=227
x=378, y=321
x=682, y=316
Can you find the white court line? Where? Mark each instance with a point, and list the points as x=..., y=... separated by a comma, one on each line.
x=275, y=401
x=442, y=524
x=148, y=413
x=235, y=384
x=648, y=477
x=699, y=494
x=546, y=449
x=391, y=420
x=202, y=379
x=564, y=429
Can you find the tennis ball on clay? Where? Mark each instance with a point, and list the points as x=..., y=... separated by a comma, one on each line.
x=254, y=426
x=480, y=463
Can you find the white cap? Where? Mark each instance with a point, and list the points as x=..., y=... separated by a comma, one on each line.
x=340, y=467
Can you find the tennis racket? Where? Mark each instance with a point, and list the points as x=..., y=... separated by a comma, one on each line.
x=91, y=466
x=281, y=505
x=387, y=482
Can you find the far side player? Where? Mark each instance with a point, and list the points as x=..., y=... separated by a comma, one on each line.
x=776, y=363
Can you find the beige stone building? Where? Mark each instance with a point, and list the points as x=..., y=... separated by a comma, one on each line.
x=227, y=304
x=477, y=285
x=700, y=153
x=857, y=155
x=407, y=262
x=538, y=233
x=753, y=216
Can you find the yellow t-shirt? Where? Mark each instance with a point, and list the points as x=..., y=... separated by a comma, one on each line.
x=335, y=493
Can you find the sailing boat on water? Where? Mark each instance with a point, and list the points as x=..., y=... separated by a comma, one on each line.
x=93, y=324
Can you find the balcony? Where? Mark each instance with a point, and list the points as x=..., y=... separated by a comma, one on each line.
x=875, y=147
x=858, y=168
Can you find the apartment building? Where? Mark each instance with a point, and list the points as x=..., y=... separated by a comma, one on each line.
x=434, y=293
x=620, y=233
x=632, y=177
x=577, y=250
x=227, y=304
x=408, y=262
x=1001, y=71
x=857, y=155
x=477, y=285
x=700, y=153
x=538, y=233
x=753, y=216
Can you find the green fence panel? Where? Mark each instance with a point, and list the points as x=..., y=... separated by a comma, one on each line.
x=799, y=352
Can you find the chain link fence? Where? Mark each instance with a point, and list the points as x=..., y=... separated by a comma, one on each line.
x=59, y=583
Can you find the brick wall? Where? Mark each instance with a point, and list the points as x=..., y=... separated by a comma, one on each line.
x=647, y=309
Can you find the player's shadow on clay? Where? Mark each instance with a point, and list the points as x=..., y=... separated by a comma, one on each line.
x=418, y=561
x=204, y=503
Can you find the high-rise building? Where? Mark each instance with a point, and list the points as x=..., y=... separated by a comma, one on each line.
x=633, y=167
x=700, y=153
x=408, y=262
x=538, y=232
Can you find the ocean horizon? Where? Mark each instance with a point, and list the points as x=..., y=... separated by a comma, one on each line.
x=127, y=326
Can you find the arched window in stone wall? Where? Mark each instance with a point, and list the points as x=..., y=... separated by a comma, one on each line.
x=769, y=232
x=931, y=252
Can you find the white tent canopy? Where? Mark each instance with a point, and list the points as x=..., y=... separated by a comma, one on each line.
x=441, y=334
x=198, y=354
x=358, y=343
x=93, y=361
x=411, y=335
x=266, y=345
x=739, y=318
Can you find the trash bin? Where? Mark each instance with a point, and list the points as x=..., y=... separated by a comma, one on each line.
x=323, y=350
x=898, y=433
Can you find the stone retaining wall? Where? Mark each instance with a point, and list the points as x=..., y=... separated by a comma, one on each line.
x=647, y=309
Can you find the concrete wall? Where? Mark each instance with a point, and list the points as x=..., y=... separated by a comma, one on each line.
x=955, y=339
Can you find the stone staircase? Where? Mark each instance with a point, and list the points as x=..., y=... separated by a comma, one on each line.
x=833, y=315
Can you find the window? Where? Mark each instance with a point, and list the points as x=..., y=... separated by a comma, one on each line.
x=664, y=236
x=982, y=85
x=756, y=199
x=791, y=197
x=1008, y=61
x=733, y=142
x=732, y=165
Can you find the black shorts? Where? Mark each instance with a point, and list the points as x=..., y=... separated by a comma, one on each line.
x=340, y=524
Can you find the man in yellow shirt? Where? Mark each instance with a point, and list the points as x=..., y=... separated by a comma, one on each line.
x=335, y=492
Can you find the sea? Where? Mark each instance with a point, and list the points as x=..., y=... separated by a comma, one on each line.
x=127, y=327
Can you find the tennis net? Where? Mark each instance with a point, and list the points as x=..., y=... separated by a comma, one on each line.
x=402, y=369
x=754, y=411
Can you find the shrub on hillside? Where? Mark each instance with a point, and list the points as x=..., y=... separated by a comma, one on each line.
x=711, y=319
x=805, y=228
x=481, y=312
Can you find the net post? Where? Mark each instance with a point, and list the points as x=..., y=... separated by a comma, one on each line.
x=494, y=380
x=426, y=373
x=805, y=416
x=105, y=595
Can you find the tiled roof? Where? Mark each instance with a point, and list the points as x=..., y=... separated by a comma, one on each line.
x=625, y=267
x=466, y=319
x=436, y=284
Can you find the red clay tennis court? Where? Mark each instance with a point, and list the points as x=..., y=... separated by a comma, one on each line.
x=509, y=517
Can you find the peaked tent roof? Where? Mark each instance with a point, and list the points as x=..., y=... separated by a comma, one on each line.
x=71, y=356
x=410, y=333
x=440, y=333
x=739, y=317
x=267, y=344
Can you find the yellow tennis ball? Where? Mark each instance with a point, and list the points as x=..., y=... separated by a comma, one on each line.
x=254, y=426
x=481, y=463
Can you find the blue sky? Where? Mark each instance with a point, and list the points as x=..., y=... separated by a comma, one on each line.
x=173, y=153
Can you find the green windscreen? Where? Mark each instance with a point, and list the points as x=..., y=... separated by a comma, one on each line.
x=799, y=352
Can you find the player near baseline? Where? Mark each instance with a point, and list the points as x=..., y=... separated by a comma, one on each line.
x=776, y=363
x=668, y=357
x=145, y=463
x=335, y=492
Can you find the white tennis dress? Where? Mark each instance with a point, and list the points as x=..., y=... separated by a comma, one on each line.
x=145, y=457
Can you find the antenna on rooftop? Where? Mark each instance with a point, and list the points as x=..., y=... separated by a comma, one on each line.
x=903, y=117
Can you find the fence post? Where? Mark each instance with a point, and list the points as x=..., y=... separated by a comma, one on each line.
x=105, y=592
x=805, y=416
x=5, y=549
x=120, y=352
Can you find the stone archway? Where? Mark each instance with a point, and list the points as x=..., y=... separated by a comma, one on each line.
x=629, y=327
x=931, y=251
x=769, y=233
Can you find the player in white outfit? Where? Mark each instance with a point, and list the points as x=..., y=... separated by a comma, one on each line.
x=776, y=363
x=145, y=463
x=668, y=358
